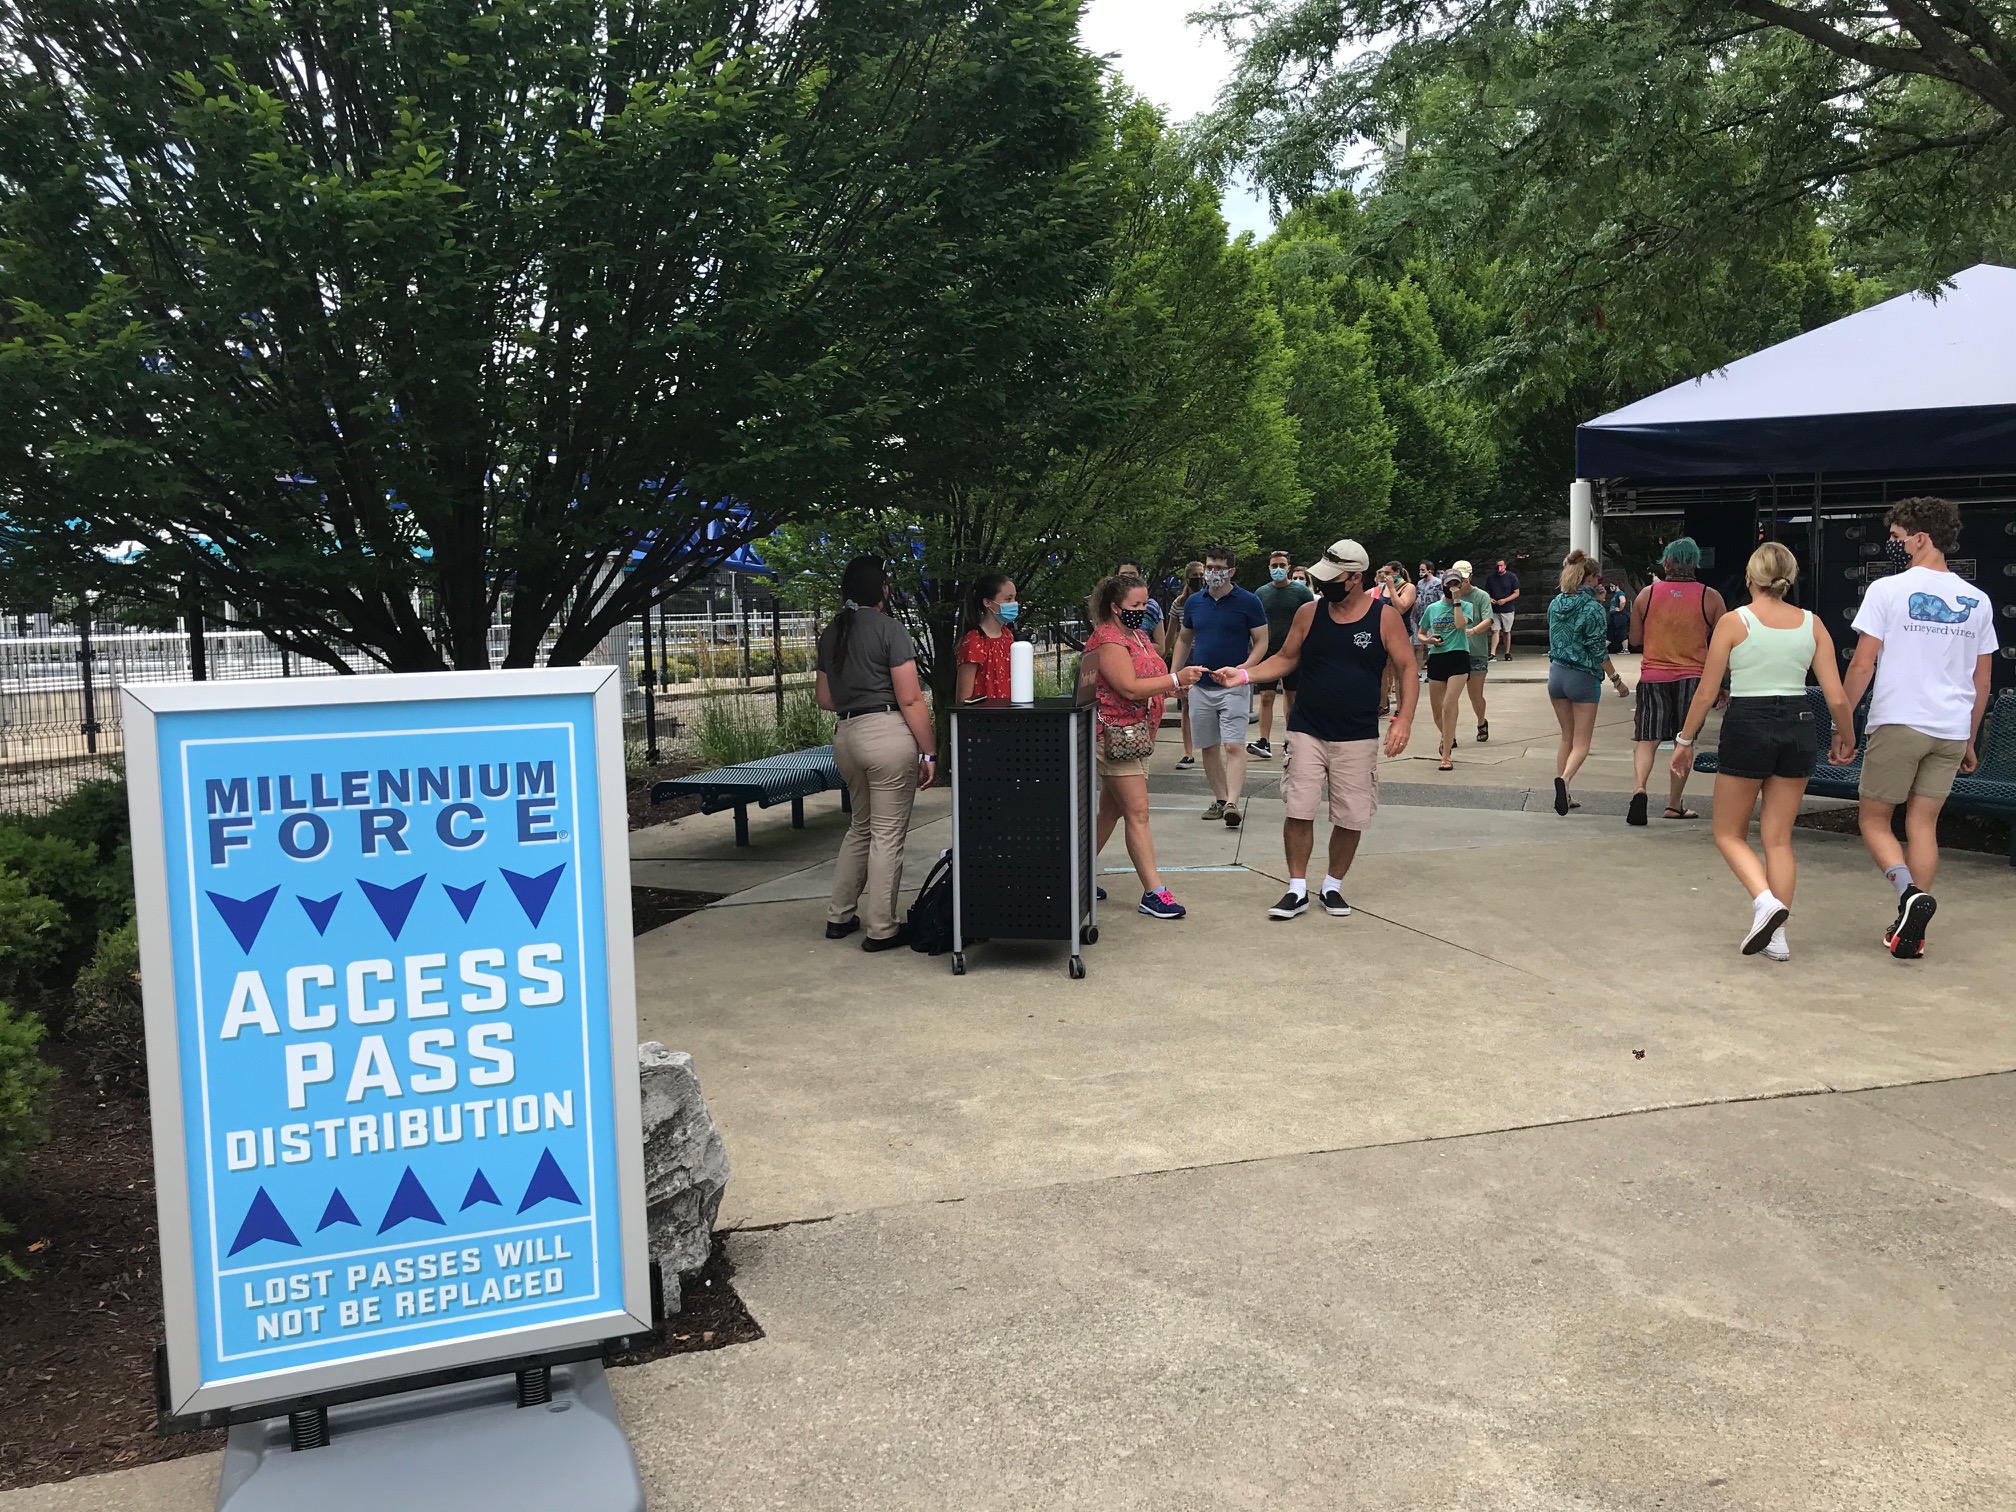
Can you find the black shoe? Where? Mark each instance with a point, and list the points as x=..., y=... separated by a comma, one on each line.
x=895, y=942
x=841, y=931
x=1292, y=905
x=1099, y=893
x=1906, y=938
x=1335, y=906
x=1561, y=796
x=1637, y=814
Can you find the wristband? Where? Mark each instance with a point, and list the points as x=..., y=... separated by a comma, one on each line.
x=927, y=756
x=1682, y=740
x=1245, y=677
x=1175, y=682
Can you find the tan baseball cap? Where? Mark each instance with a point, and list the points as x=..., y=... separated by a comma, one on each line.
x=1461, y=569
x=1339, y=558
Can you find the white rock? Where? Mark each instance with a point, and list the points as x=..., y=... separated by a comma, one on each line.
x=685, y=1165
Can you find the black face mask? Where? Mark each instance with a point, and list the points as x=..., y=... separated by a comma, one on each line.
x=1899, y=553
x=1336, y=591
x=1133, y=619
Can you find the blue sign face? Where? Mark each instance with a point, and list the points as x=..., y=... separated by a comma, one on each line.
x=392, y=1023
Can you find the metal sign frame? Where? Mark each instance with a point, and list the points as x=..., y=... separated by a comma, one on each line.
x=188, y=1394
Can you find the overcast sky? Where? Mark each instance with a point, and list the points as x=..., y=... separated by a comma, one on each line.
x=1177, y=66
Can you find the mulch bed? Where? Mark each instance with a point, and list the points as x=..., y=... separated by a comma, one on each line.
x=77, y=1337
x=1957, y=830
x=643, y=811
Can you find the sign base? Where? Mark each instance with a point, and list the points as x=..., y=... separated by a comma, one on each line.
x=466, y=1445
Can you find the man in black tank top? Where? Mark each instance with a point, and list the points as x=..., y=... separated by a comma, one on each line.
x=1340, y=644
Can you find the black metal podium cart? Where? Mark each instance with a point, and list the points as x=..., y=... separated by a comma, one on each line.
x=1022, y=795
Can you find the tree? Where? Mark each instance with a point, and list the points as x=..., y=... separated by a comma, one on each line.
x=1641, y=171
x=369, y=320
x=1153, y=414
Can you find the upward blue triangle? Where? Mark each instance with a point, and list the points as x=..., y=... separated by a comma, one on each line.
x=392, y=904
x=410, y=1201
x=338, y=1211
x=245, y=917
x=480, y=1190
x=464, y=898
x=534, y=893
x=319, y=910
x=262, y=1221
x=547, y=1182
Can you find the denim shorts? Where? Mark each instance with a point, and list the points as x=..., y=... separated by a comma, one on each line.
x=1575, y=684
x=1768, y=737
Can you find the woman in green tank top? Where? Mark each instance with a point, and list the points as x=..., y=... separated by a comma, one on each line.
x=1768, y=741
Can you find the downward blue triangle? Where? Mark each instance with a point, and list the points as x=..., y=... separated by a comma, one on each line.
x=338, y=1211
x=319, y=910
x=464, y=898
x=480, y=1190
x=245, y=917
x=410, y=1201
x=534, y=893
x=262, y=1221
x=392, y=904
x=547, y=1180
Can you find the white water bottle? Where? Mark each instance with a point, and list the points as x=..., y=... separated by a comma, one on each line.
x=1022, y=673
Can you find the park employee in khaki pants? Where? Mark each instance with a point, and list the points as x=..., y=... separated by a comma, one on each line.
x=884, y=747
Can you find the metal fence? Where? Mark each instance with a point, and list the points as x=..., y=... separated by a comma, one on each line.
x=59, y=690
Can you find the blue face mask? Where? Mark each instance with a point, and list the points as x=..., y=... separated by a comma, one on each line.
x=1007, y=612
x=1279, y=574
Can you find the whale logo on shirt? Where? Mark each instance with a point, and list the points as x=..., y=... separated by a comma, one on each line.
x=1930, y=609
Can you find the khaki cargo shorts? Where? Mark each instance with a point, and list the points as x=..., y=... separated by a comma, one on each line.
x=1905, y=763
x=1349, y=768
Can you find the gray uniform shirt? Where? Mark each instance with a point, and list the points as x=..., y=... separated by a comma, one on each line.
x=875, y=645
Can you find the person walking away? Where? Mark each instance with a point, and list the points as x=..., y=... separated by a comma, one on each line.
x=1130, y=683
x=1427, y=589
x=1768, y=742
x=1446, y=631
x=1342, y=647
x=1193, y=582
x=1672, y=619
x=1477, y=609
x=1155, y=627
x=1577, y=662
x=1279, y=597
x=1618, y=604
x=1397, y=588
x=987, y=637
x=1927, y=642
x=1502, y=584
x=866, y=674
x=1224, y=626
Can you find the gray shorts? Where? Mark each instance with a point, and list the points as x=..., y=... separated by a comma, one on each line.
x=1218, y=716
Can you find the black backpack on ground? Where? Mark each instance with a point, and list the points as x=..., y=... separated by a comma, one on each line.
x=931, y=914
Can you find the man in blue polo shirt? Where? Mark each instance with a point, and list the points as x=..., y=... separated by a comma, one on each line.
x=1224, y=626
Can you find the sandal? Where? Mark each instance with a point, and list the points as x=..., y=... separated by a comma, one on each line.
x=1679, y=813
x=1483, y=731
x=1447, y=766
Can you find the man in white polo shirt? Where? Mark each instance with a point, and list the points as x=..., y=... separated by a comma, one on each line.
x=1928, y=642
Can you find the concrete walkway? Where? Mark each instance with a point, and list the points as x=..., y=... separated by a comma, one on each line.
x=1518, y=1189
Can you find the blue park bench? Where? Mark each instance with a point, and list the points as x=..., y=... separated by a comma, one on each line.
x=1990, y=788
x=772, y=780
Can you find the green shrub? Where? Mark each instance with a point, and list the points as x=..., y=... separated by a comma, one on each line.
x=24, y=1083
x=94, y=815
x=90, y=897
x=32, y=934
x=105, y=1015
x=731, y=729
x=804, y=724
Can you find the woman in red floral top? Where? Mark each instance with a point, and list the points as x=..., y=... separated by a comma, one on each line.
x=1131, y=682
x=989, y=621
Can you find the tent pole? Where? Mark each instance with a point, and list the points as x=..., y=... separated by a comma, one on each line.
x=1581, y=516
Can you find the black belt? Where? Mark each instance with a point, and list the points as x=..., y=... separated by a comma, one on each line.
x=878, y=709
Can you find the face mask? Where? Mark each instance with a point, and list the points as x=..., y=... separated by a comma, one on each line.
x=1899, y=553
x=1196, y=584
x=1279, y=574
x=1006, y=613
x=1216, y=578
x=1133, y=619
x=1336, y=591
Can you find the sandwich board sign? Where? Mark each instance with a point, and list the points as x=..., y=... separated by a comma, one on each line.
x=385, y=948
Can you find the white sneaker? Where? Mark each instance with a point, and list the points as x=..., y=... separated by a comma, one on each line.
x=1778, y=949
x=1767, y=916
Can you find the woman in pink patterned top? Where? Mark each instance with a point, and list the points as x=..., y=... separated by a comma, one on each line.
x=1130, y=684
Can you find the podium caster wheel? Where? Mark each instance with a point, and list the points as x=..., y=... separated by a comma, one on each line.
x=1091, y=935
x=1077, y=969
x=958, y=963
